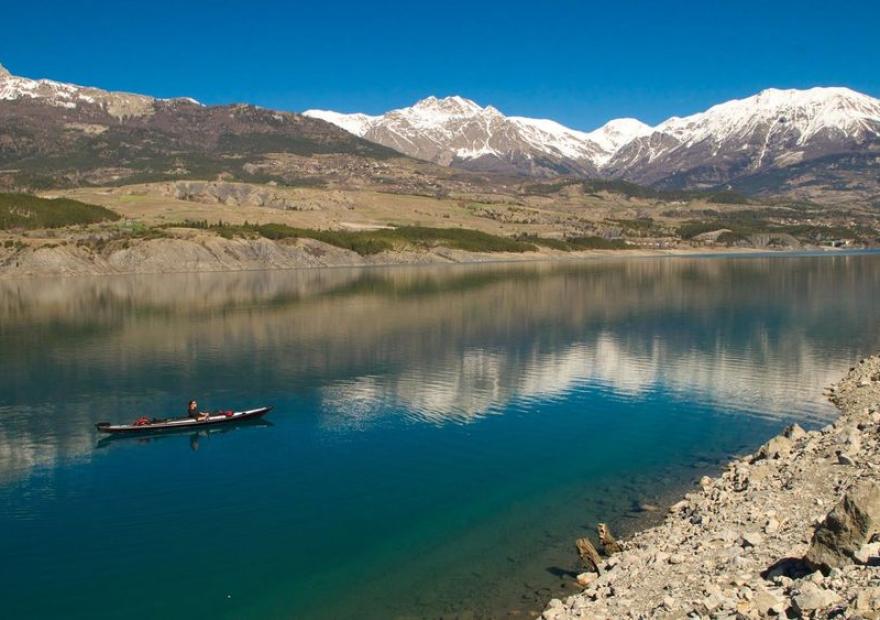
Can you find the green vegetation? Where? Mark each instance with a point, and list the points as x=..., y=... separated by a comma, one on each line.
x=30, y=212
x=742, y=224
x=366, y=242
x=553, y=244
x=573, y=244
x=598, y=243
x=639, y=227
x=642, y=224
x=631, y=190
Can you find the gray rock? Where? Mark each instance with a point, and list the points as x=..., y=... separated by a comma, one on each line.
x=868, y=599
x=776, y=448
x=554, y=613
x=752, y=539
x=866, y=552
x=768, y=602
x=794, y=432
x=847, y=527
x=811, y=597
x=844, y=459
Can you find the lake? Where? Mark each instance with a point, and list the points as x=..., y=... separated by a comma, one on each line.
x=440, y=435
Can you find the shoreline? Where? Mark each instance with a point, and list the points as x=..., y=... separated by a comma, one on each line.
x=736, y=546
x=217, y=255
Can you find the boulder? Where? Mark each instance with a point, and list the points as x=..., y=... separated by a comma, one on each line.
x=867, y=553
x=778, y=447
x=844, y=459
x=741, y=478
x=767, y=602
x=847, y=527
x=794, y=432
x=868, y=599
x=555, y=609
x=772, y=526
x=585, y=579
x=851, y=439
x=811, y=597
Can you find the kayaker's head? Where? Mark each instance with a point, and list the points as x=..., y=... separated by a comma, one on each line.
x=192, y=406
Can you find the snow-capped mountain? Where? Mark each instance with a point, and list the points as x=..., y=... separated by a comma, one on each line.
x=773, y=129
x=776, y=141
x=63, y=95
x=458, y=131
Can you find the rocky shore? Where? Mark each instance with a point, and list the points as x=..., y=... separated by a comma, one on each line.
x=791, y=531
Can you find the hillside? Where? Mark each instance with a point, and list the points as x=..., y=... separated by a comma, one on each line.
x=56, y=135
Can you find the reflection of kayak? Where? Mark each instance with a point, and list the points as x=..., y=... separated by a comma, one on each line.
x=163, y=425
x=195, y=433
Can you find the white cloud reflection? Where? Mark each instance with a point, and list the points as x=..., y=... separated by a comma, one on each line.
x=483, y=382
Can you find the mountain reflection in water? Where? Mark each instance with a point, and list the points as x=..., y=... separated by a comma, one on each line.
x=440, y=435
x=440, y=345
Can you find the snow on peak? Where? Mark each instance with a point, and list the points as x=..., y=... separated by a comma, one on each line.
x=550, y=136
x=432, y=112
x=358, y=124
x=614, y=134
x=806, y=112
x=449, y=106
x=776, y=120
x=461, y=127
x=64, y=95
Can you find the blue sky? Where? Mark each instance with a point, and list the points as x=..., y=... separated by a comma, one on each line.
x=580, y=63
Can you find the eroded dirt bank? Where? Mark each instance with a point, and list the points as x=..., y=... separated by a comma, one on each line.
x=209, y=253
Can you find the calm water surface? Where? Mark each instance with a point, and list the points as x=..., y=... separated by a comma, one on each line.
x=440, y=436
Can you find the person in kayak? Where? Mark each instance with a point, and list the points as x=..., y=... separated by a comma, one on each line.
x=192, y=411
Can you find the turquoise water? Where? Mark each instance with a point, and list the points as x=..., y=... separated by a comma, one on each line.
x=440, y=435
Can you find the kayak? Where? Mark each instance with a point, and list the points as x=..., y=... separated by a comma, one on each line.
x=225, y=417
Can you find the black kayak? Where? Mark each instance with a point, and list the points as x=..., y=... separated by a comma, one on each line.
x=226, y=417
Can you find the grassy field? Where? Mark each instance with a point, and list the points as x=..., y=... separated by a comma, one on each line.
x=557, y=216
x=366, y=242
x=23, y=211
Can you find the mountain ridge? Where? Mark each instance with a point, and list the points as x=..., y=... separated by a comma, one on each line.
x=55, y=134
x=454, y=130
x=771, y=130
x=809, y=143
